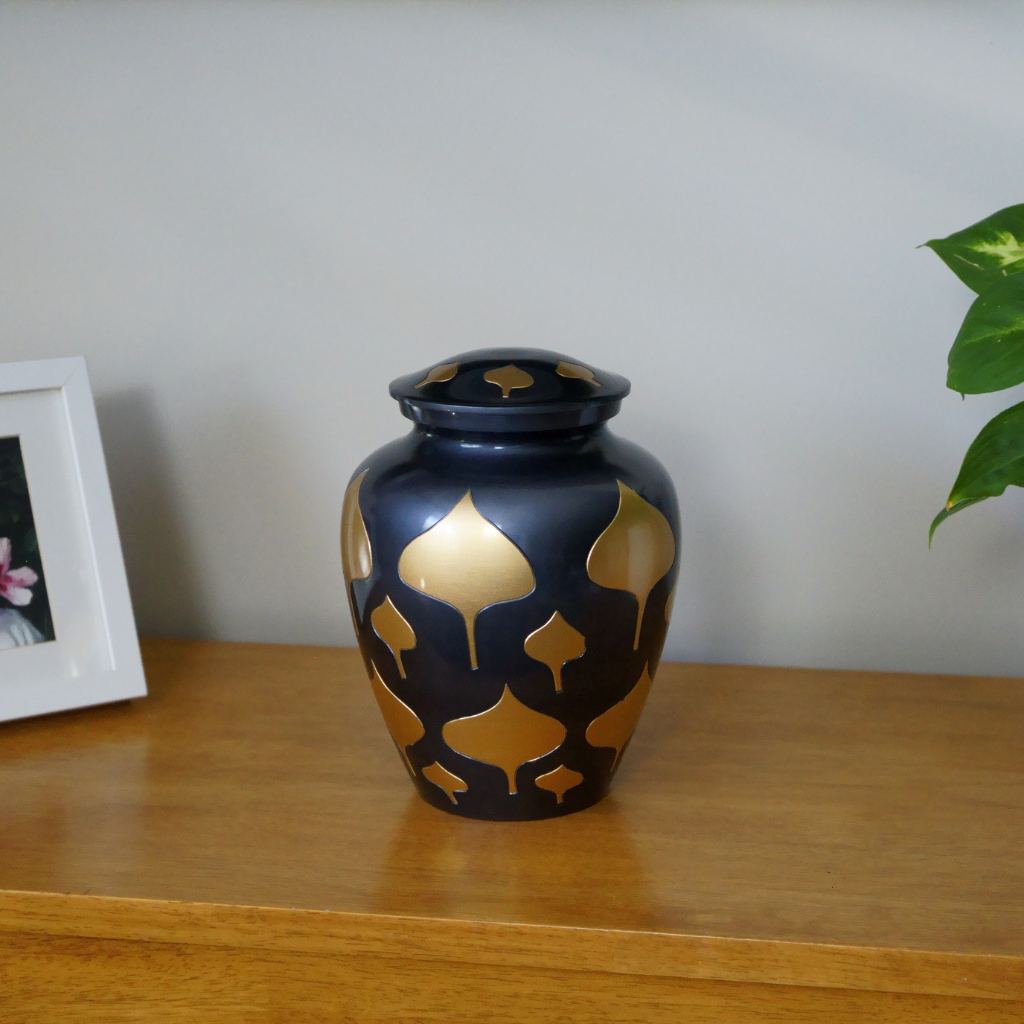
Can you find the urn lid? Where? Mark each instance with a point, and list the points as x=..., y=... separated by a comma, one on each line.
x=507, y=390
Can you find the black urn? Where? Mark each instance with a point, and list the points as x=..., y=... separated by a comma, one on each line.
x=510, y=565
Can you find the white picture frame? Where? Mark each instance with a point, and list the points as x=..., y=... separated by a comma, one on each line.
x=94, y=655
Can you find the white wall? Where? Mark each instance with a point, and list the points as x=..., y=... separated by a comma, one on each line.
x=251, y=216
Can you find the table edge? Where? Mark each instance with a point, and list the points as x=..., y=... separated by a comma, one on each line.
x=534, y=946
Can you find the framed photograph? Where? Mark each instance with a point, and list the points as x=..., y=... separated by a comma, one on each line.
x=67, y=633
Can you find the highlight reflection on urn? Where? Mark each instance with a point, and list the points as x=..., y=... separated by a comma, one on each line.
x=510, y=566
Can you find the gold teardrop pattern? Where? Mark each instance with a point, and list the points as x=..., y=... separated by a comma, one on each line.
x=401, y=720
x=465, y=561
x=506, y=735
x=634, y=552
x=559, y=782
x=444, y=779
x=356, y=553
x=565, y=369
x=390, y=625
x=614, y=728
x=555, y=644
x=439, y=374
x=508, y=378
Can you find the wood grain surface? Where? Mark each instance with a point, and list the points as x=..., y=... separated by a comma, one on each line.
x=835, y=845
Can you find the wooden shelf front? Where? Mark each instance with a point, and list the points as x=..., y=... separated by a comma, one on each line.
x=780, y=844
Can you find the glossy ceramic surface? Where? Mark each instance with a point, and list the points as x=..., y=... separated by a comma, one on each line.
x=510, y=587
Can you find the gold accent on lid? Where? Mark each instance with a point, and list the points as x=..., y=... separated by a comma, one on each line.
x=401, y=720
x=616, y=725
x=507, y=378
x=356, y=553
x=444, y=779
x=554, y=644
x=464, y=560
x=634, y=552
x=439, y=374
x=390, y=625
x=565, y=369
x=506, y=735
x=559, y=781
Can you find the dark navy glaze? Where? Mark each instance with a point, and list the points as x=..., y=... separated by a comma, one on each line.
x=552, y=494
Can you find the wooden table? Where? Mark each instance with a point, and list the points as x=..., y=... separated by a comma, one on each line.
x=780, y=845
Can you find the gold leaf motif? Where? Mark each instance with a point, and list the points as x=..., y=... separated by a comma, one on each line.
x=356, y=554
x=616, y=725
x=439, y=374
x=565, y=369
x=466, y=561
x=444, y=779
x=634, y=552
x=559, y=781
x=506, y=735
x=401, y=720
x=554, y=644
x=507, y=378
x=390, y=625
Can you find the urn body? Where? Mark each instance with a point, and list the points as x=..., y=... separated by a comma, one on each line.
x=510, y=591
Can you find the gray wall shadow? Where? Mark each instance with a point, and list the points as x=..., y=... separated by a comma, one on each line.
x=165, y=586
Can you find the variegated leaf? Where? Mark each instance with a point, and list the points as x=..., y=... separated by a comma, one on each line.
x=985, y=252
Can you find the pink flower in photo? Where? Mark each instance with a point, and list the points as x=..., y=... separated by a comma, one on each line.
x=14, y=584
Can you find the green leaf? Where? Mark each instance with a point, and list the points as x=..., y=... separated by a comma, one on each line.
x=988, y=353
x=985, y=252
x=994, y=461
x=946, y=513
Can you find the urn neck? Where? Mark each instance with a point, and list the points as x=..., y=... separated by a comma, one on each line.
x=571, y=417
x=510, y=439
